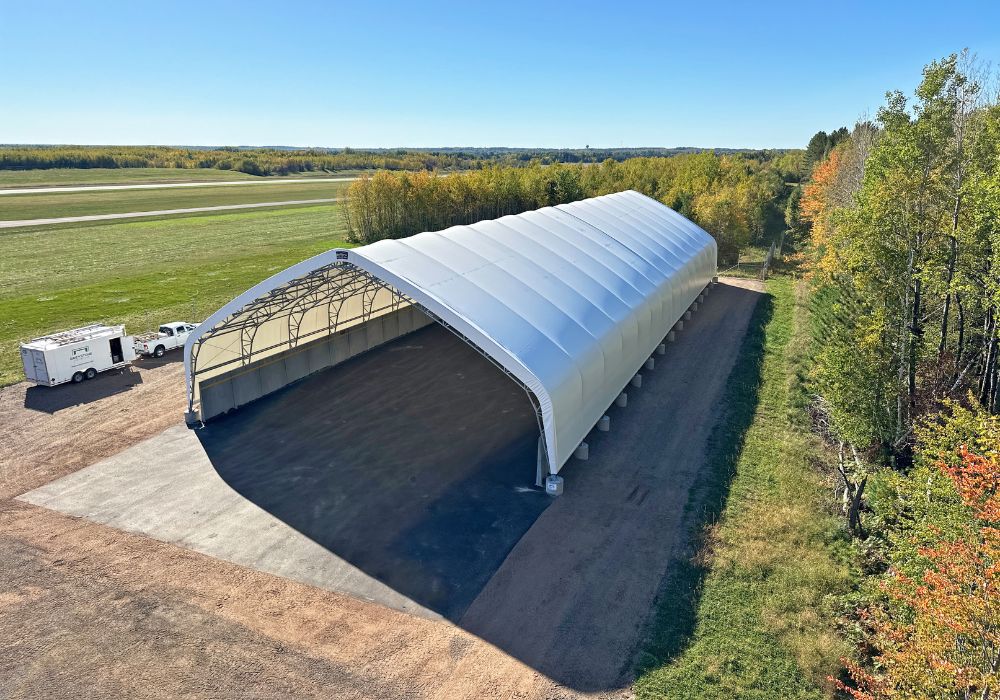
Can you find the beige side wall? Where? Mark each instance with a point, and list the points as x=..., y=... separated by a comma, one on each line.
x=240, y=386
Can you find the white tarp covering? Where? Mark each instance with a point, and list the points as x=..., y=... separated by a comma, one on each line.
x=571, y=299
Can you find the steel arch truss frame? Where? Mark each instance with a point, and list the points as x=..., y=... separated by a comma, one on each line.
x=331, y=286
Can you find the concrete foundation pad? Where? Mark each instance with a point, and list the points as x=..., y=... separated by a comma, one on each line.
x=401, y=477
x=182, y=500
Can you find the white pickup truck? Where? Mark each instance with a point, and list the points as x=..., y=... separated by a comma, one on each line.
x=171, y=335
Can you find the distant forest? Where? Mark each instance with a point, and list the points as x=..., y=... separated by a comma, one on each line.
x=283, y=161
x=741, y=200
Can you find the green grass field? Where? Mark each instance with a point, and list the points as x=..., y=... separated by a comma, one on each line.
x=15, y=207
x=115, y=176
x=134, y=176
x=753, y=613
x=144, y=272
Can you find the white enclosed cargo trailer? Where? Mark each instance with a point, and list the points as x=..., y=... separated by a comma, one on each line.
x=75, y=355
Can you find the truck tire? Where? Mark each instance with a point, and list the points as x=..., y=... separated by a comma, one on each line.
x=90, y=373
x=78, y=377
x=159, y=351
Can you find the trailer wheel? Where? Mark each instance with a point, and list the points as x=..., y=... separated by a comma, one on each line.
x=159, y=351
x=78, y=377
x=90, y=373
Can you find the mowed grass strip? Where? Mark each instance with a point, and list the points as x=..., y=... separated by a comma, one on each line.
x=16, y=207
x=147, y=272
x=753, y=613
x=116, y=176
x=66, y=177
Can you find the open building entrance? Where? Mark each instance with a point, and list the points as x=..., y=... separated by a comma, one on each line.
x=310, y=324
x=401, y=449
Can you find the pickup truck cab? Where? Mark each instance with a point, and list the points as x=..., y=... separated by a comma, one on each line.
x=169, y=336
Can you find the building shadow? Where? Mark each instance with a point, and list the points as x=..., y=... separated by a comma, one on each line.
x=414, y=463
x=171, y=357
x=50, y=399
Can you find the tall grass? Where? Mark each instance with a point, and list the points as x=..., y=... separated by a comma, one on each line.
x=752, y=613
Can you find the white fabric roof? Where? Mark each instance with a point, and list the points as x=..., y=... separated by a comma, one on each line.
x=570, y=299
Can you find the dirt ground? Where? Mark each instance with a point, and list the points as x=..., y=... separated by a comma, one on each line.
x=48, y=432
x=90, y=611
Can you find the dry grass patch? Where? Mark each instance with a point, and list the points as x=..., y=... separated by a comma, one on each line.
x=767, y=577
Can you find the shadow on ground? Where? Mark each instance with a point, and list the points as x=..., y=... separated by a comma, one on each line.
x=50, y=399
x=414, y=462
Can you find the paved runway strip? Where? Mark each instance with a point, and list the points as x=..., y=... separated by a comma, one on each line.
x=56, y=189
x=161, y=212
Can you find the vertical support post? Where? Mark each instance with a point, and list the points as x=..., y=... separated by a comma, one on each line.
x=540, y=465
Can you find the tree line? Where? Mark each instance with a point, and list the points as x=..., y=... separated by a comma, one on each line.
x=283, y=161
x=254, y=161
x=739, y=200
x=901, y=218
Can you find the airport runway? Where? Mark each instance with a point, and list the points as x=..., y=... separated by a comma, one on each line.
x=165, y=185
x=161, y=212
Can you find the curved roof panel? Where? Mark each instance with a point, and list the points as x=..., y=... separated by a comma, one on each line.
x=570, y=299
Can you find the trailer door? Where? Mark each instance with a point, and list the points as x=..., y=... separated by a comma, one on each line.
x=34, y=366
x=117, y=356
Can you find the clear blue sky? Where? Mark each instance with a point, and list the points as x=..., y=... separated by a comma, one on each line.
x=423, y=73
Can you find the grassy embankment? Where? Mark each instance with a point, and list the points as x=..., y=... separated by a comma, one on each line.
x=752, y=613
x=16, y=207
x=145, y=272
x=136, y=176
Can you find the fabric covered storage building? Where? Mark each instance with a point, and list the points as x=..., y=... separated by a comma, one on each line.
x=569, y=301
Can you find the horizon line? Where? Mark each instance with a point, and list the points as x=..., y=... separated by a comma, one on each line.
x=395, y=148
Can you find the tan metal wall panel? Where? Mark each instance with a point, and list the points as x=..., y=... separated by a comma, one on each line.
x=242, y=385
